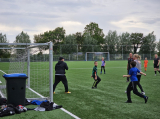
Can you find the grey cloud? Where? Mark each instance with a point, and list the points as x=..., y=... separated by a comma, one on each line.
x=151, y=20
x=33, y=15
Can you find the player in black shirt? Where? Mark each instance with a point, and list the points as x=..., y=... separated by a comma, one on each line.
x=156, y=64
x=130, y=59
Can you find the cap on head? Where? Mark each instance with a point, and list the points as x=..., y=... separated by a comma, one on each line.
x=60, y=58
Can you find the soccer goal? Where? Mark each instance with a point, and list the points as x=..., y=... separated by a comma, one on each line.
x=35, y=60
x=97, y=56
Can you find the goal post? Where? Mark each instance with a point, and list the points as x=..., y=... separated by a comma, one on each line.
x=92, y=56
x=35, y=60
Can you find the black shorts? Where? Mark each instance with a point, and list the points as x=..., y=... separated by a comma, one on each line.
x=155, y=66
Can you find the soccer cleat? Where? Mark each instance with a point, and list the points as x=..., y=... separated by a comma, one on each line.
x=68, y=92
x=128, y=101
x=143, y=93
x=94, y=87
x=104, y=73
x=146, y=99
x=125, y=91
x=101, y=73
x=53, y=92
x=155, y=74
x=127, y=81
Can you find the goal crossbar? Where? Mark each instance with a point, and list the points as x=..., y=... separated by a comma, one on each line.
x=97, y=53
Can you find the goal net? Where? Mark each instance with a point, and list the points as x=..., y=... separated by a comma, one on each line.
x=37, y=62
x=97, y=56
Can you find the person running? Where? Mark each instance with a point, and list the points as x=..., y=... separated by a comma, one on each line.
x=134, y=82
x=103, y=65
x=95, y=76
x=60, y=68
x=145, y=64
x=156, y=64
x=136, y=58
x=128, y=65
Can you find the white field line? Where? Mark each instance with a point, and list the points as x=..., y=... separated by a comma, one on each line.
x=3, y=72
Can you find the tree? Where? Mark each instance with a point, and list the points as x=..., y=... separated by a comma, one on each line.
x=125, y=43
x=90, y=44
x=56, y=36
x=95, y=32
x=149, y=44
x=69, y=45
x=3, y=52
x=79, y=38
x=111, y=42
x=158, y=47
x=22, y=38
x=136, y=40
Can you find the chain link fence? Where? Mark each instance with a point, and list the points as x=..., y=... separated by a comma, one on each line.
x=78, y=52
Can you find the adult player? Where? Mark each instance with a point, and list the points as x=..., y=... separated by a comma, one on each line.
x=60, y=68
x=156, y=64
x=130, y=59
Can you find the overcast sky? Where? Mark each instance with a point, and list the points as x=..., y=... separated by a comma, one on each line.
x=38, y=16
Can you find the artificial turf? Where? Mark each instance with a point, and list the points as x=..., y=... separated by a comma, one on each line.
x=105, y=102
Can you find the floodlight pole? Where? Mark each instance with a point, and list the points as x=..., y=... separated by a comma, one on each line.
x=51, y=70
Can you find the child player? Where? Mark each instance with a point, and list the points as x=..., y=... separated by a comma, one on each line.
x=94, y=75
x=103, y=65
x=145, y=64
x=134, y=82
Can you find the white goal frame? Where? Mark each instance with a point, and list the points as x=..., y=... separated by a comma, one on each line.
x=50, y=44
x=98, y=52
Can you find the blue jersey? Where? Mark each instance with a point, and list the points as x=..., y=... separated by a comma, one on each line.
x=103, y=63
x=133, y=72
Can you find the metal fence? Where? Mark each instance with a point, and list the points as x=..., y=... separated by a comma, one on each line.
x=72, y=52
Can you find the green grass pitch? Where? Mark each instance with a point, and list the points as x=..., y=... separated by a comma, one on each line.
x=105, y=102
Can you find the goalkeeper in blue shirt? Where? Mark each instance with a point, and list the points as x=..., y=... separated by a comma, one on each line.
x=134, y=82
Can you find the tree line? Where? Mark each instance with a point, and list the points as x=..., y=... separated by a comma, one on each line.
x=92, y=39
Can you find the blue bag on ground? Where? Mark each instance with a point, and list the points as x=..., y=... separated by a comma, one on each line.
x=37, y=102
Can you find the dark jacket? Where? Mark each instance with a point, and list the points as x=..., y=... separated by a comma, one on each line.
x=61, y=67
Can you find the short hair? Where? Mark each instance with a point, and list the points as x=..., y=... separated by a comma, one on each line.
x=95, y=62
x=133, y=63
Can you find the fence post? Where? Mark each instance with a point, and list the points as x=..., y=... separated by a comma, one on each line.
x=77, y=52
x=60, y=50
x=122, y=52
x=69, y=57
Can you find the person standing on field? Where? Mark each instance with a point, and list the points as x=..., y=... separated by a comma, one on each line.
x=130, y=59
x=103, y=65
x=156, y=64
x=95, y=76
x=145, y=64
x=137, y=59
x=60, y=68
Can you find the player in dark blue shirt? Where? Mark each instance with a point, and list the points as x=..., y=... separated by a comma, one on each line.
x=134, y=82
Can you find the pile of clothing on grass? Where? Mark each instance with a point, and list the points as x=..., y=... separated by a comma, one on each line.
x=9, y=109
